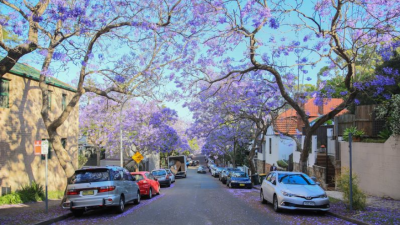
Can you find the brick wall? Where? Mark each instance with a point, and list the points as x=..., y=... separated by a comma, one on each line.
x=21, y=124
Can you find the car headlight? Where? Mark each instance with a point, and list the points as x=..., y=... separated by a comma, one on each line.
x=287, y=194
x=323, y=196
x=248, y=182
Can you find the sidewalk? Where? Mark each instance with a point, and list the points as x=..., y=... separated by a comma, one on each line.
x=32, y=213
x=378, y=210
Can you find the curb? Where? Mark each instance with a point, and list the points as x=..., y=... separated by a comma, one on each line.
x=359, y=222
x=50, y=221
x=336, y=215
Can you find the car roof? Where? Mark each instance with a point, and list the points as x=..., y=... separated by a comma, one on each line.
x=288, y=172
x=140, y=172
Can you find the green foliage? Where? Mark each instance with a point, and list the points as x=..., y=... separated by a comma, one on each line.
x=82, y=160
x=55, y=194
x=32, y=193
x=193, y=144
x=374, y=140
x=385, y=134
x=354, y=131
x=282, y=164
x=12, y=198
x=390, y=112
x=359, y=197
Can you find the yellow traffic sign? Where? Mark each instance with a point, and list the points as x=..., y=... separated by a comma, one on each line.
x=137, y=157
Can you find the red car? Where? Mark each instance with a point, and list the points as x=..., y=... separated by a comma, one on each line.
x=148, y=184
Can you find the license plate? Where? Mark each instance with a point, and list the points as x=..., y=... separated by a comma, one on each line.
x=309, y=203
x=88, y=192
x=242, y=185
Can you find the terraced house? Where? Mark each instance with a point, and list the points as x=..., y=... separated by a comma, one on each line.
x=21, y=125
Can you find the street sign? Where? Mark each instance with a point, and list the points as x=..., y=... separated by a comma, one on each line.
x=45, y=147
x=137, y=157
x=38, y=147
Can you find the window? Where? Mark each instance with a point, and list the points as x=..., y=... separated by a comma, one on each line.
x=49, y=95
x=64, y=102
x=4, y=93
x=64, y=142
x=270, y=146
x=86, y=176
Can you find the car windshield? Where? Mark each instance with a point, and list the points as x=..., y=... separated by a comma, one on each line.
x=86, y=176
x=159, y=172
x=298, y=179
x=239, y=175
x=138, y=177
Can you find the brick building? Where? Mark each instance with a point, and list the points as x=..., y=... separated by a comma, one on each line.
x=21, y=124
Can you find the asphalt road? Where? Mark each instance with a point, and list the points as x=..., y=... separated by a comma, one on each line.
x=202, y=199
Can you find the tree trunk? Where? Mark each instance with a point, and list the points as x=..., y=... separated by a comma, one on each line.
x=305, y=152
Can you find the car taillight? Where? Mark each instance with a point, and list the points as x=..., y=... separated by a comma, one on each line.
x=167, y=177
x=73, y=192
x=106, y=189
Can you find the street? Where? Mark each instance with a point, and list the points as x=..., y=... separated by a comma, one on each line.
x=202, y=199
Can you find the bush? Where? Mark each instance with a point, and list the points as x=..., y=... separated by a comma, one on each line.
x=353, y=131
x=282, y=164
x=82, y=160
x=31, y=193
x=12, y=198
x=359, y=198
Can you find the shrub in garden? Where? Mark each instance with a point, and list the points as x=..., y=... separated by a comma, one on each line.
x=31, y=193
x=282, y=163
x=12, y=198
x=359, y=197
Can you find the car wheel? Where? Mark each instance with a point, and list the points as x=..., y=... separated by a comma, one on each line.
x=150, y=194
x=184, y=176
x=121, y=205
x=276, y=207
x=263, y=201
x=137, y=200
x=230, y=185
x=169, y=183
x=159, y=190
x=78, y=212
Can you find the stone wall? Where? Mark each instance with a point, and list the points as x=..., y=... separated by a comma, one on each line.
x=21, y=124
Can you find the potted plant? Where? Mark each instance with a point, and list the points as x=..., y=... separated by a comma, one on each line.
x=356, y=134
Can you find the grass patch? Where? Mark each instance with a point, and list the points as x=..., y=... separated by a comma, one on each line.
x=334, y=200
x=56, y=195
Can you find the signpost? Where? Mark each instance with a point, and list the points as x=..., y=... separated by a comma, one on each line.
x=137, y=157
x=45, y=151
x=38, y=147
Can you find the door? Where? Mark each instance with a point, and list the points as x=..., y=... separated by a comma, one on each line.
x=130, y=192
x=269, y=187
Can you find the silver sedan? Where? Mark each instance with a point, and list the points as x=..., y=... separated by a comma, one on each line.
x=293, y=190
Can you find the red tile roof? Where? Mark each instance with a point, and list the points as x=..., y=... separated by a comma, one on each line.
x=287, y=121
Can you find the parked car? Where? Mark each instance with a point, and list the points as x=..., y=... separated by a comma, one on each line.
x=238, y=179
x=224, y=173
x=293, y=190
x=171, y=175
x=148, y=184
x=201, y=169
x=212, y=169
x=216, y=171
x=162, y=176
x=98, y=187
